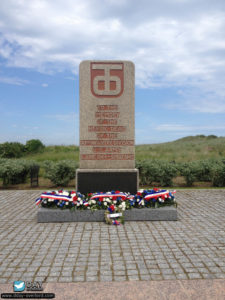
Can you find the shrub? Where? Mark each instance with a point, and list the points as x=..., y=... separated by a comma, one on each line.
x=12, y=150
x=60, y=173
x=218, y=175
x=14, y=171
x=156, y=171
x=189, y=171
x=34, y=146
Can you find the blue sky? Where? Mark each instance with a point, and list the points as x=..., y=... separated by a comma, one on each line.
x=178, y=48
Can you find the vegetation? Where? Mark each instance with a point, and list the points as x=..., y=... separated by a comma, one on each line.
x=16, y=150
x=12, y=150
x=14, y=171
x=195, y=159
x=34, y=146
x=187, y=149
x=60, y=173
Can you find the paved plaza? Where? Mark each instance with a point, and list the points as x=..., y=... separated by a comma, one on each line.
x=191, y=248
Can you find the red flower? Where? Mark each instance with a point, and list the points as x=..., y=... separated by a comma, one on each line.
x=155, y=189
x=117, y=192
x=112, y=207
x=139, y=193
x=90, y=194
x=74, y=198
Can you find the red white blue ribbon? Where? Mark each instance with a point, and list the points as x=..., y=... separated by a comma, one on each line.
x=53, y=197
x=123, y=196
x=158, y=194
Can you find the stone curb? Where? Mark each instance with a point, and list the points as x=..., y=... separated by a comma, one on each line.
x=48, y=215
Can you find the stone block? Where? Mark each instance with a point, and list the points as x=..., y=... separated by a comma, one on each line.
x=51, y=215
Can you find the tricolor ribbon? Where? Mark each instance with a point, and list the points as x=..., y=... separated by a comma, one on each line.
x=54, y=197
x=123, y=196
x=158, y=194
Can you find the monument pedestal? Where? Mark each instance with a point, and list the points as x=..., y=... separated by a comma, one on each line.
x=105, y=180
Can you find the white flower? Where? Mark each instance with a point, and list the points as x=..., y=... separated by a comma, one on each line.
x=120, y=206
x=79, y=198
x=108, y=200
x=67, y=203
x=123, y=204
x=140, y=191
x=123, y=208
x=88, y=207
x=93, y=201
x=105, y=203
x=114, y=201
x=81, y=201
x=142, y=202
x=78, y=204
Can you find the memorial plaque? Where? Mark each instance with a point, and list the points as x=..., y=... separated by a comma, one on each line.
x=107, y=131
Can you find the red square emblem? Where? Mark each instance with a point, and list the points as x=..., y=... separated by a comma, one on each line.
x=107, y=79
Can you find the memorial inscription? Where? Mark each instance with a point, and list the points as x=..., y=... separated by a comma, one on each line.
x=106, y=118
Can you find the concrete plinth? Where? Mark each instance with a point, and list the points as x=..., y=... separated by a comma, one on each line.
x=94, y=180
x=52, y=215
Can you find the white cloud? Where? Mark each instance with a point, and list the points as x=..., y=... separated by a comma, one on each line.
x=44, y=85
x=172, y=42
x=13, y=80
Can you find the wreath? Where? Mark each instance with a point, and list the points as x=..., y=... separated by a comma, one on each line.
x=114, y=215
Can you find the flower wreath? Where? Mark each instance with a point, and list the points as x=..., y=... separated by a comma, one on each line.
x=114, y=215
x=114, y=203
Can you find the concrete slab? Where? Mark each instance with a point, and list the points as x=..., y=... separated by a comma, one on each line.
x=52, y=215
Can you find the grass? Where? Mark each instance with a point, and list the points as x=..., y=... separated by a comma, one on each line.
x=183, y=150
x=56, y=153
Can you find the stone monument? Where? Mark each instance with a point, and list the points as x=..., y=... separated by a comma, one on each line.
x=107, y=131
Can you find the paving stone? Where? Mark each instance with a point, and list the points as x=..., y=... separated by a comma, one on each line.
x=169, y=276
x=133, y=277
x=191, y=248
x=51, y=279
x=132, y=272
x=105, y=278
x=78, y=278
x=65, y=279
x=181, y=276
x=194, y=275
x=92, y=278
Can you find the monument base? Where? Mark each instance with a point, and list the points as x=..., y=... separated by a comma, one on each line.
x=103, y=180
x=50, y=215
